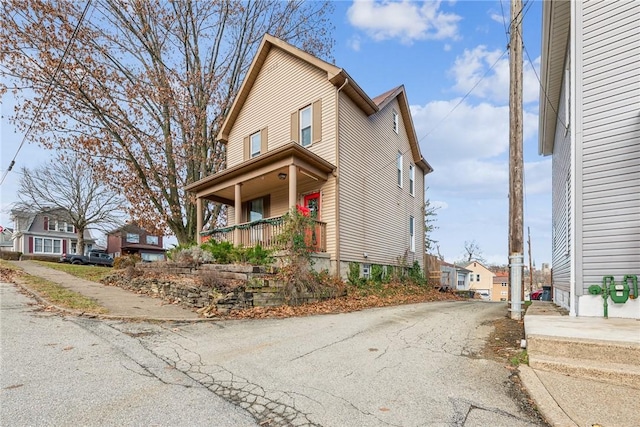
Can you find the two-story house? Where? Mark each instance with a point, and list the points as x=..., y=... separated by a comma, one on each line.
x=46, y=233
x=302, y=132
x=130, y=239
x=481, y=280
x=500, y=289
x=590, y=124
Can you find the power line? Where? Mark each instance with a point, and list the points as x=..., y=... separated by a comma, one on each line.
x=46, y=98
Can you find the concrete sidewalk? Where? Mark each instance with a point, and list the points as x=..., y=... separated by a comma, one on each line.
x=583, y=371
x=121, y=303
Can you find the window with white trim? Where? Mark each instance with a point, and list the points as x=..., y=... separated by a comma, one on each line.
x=305, y=126
x=395, y=122
x=255, y=144
x=133, y=238
x=399, y=168
x=412, y=234
x=412, y=179
x=152, y=240
x=44, y=245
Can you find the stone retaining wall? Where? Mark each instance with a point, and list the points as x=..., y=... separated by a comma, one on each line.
x=210, y=288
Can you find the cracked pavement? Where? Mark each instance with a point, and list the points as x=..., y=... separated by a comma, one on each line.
x=412, y=365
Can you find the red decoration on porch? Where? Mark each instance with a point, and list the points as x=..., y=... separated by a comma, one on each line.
x=305, y=211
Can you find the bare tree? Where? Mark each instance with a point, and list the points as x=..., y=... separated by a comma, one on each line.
x=68, y=185
x=430, y=214
x=141, y=87
x=473, y=251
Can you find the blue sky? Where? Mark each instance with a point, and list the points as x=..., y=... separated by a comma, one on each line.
x=440, y=51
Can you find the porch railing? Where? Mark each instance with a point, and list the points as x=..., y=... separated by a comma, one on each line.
x=265, y=232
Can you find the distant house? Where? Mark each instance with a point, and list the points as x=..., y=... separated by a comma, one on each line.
x=130, y=239
x=46, y=233
x=500, y=289
x=6, y=239
x=463, y=277
x=480, y=279
x=589, y=122
x=301, y=132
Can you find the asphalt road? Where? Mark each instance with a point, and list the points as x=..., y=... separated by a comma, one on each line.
x=57, y=371
x=413, y=365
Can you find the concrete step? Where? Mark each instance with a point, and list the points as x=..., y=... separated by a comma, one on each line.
x=622, y=374
x=584, y=349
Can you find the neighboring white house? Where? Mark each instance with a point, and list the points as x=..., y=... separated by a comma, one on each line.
x=590, y=124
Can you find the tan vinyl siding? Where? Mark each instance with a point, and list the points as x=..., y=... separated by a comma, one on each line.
x=561, y=166
x=285, y=84
x=610, y=140
x=374, y=214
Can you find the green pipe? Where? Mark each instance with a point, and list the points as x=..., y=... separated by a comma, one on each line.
x=607, y=281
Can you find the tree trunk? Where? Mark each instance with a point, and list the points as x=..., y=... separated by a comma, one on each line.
x=80, y=244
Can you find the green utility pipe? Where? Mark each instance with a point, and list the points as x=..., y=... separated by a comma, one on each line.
x=607, y=281
x=634, y=284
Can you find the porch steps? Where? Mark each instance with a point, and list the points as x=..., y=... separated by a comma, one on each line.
x=607, y=361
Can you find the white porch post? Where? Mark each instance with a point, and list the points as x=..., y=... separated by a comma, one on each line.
x=199, y=223
x=293, y=186
x=238, y=213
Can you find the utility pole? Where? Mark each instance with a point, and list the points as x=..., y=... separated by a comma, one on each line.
x=516, y=164
x=530, y=265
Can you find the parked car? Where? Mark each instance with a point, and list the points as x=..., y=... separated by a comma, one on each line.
x=536, y=295
x=95, y=257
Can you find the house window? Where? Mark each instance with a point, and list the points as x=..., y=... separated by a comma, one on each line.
x=477, y=277
x=52, y=225
x=366, y=271
x=395, y=122
x=503, y=293
x=255, y=210
x=70, y=228
x=412, y=179
x=256, y=144
x=152, y=240
x=412, y=234
x=504, y=283
x=471, y=277
x=47, y=246
x=305, y=126
x=399, y=167
x=133, y=238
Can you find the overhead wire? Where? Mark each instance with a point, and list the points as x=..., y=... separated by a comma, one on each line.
x=47, y=95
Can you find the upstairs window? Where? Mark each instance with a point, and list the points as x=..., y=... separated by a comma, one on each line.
x=395, y=122
x=399, y=167
x=305, y=126
x=412, y=179
x=256, y=145
x=152, y=240
x=133, y=238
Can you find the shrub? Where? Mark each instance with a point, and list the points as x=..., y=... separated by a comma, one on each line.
x=353, y=276
x=192, y=257
x=171, y=253
x=378, y=273
x=222, y=252
x=416, y=275
x=125, y=261
x=10, y=255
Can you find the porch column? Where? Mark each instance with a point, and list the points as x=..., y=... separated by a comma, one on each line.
x=238, y=213
x=199, y=224
x=293, y=186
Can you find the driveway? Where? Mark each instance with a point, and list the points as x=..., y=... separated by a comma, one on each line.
x=412, y=365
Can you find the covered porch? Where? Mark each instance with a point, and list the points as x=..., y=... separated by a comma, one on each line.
x=260, y=190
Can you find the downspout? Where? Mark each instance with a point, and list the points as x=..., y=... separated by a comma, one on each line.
x=337, y=191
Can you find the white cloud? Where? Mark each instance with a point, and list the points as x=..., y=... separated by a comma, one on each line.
x=470, y=68
x=499, y=18
x=404, y=20
x=469, y=148
x=354, y=43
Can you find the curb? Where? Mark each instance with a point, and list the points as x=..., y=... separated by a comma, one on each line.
x=545, y=403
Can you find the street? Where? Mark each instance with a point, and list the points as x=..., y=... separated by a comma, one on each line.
x=412, y=365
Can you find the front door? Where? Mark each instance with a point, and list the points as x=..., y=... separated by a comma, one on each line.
x=312, y=202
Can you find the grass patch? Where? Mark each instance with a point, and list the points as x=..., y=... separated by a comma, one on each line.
x=61, y=296
x=521, y=358
x=87, y=272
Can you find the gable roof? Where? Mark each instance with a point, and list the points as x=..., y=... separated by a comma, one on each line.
x=336, y=76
